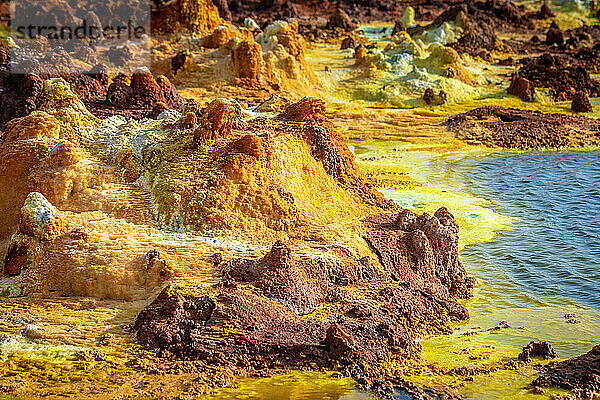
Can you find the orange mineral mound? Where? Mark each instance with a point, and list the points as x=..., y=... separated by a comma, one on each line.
x=194, y=16
x=260, y=176
x=118, y=189
x=233, y=60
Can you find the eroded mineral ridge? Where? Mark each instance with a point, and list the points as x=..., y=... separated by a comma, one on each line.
x=264, y=310
x=137, y=95
x=232, y=232
x=132, y=95
x=271, y=60
x=195, y=16
x=358, y=294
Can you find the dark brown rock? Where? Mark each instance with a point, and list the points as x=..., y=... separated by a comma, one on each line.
x=223, y=7
x=541, y=350
x=545, y=12
x=581, y=373
x=556, y=73
x=521, y=87
x=339, y=343
x=555, y=35
x=348, y=43
x=581, y=103
x=524, y=129
x=178, y=61
x=16, y=259
x=256, y=313
x=398, y=27
x=433, y=256
x=478, y=39
x=145, y=96
x=281, y=278
x=340, y=19
x=167, y=323
x=428, y=95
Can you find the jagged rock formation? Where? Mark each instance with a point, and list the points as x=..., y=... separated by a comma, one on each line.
x=24, y=93
x=249, y=161
x=309, y=10
x=478, y=23
x=541, y=350
x=430, y=252
x=273, y=60
x=521, y=87
x=554, y=36
x=578, y=373
x=581, y=103
x=554, y=72
x=39, y=222
x=64, y=253
x=138, y=98
x=340, y=19
x=263, y=313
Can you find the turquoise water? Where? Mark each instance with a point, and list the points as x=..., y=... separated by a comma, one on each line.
x=553, y=249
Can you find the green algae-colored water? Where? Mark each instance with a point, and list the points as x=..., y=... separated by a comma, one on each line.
x=294, y=386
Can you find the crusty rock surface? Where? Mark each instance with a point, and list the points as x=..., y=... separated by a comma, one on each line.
x=556, y=73
x=555, y=35
x=138, y=98
x=253, y=163
x=264, y=311
x=581, y=103
x=497, y=126
x=582, y=372
x=430, y=254
x=541, y=350
x=521, y=87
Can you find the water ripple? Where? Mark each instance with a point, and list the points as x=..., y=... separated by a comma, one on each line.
x=554, y=248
